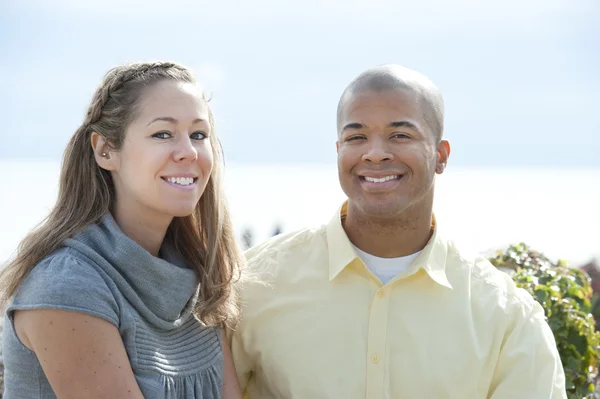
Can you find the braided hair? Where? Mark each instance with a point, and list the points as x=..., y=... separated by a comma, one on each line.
x=111, y=110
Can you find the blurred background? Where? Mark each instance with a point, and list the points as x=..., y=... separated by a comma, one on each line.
x=520, y=80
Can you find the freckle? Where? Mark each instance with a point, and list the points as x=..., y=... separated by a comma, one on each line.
x=73, y=329
x=45, y=349
x=50, y=323
x=109, y=354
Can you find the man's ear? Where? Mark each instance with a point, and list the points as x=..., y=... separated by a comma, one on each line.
x=443, y=153
x=102, y=152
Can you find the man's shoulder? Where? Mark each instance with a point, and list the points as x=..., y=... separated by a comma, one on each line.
x=484, y=279
x=284, y=246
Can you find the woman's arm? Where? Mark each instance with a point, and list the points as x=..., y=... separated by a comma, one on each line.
x=82, y=356
x=231, y=387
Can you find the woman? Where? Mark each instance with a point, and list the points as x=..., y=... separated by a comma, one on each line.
x=124, y=291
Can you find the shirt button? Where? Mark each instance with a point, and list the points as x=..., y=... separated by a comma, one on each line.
x=375, y=359
x=380, y=293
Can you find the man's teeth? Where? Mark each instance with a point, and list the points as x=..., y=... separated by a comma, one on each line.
x=381, y=180
x=182, y=181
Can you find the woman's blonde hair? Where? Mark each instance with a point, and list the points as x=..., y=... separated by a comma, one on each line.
x=206, y=238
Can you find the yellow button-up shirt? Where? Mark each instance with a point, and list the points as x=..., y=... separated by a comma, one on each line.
x=318, y=324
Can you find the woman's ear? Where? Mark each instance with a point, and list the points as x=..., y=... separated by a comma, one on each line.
x=102, y=152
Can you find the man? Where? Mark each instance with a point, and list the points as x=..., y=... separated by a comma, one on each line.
x=376, y=303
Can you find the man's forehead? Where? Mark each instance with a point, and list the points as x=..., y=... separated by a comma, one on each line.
x=400, y=100
x=410, y=92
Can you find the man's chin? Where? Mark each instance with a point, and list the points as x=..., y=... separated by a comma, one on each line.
x=382, y=210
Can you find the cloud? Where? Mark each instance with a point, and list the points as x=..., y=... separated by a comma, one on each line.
x=210, y=75
x=439, y=13
x=268, y=62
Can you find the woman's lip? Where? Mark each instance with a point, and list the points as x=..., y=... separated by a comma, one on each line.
x=182, y=187
x=195, y=176
x=177, y=177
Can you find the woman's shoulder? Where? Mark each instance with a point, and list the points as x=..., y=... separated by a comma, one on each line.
x=63, y=267
x=66, y=280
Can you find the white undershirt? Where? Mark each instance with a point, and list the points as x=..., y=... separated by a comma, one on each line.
x=386, y=268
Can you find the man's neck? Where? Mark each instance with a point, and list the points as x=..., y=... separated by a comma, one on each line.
x=385, y=238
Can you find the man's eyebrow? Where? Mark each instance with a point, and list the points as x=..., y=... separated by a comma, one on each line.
x=395, y=124
x=403, y=124
x=172, y=120
x=353, y=125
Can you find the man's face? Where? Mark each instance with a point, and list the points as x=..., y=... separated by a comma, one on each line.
x=387, y=155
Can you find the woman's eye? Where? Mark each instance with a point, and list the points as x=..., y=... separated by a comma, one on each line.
x=198, y=135
x=161, y=135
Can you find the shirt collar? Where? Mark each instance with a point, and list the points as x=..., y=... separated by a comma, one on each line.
x=432, y=258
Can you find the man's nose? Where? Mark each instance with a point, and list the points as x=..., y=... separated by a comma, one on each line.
x=378, y=151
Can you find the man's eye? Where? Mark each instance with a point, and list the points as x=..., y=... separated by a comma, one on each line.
x=161, y=135
x=354, y=138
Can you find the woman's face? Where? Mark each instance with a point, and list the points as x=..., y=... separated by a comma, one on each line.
x=166, y=160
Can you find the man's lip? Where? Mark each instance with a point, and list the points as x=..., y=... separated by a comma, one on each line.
x=379, y=175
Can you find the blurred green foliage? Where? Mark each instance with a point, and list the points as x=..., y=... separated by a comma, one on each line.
x=565, y=294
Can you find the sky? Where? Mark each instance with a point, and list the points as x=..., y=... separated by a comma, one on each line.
x=519, y=77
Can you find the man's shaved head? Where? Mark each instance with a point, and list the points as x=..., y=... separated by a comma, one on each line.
x=394, y=77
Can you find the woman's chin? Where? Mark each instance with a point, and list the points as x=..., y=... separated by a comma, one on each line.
x=181, y=211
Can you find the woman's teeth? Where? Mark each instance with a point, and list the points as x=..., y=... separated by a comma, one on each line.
x=182, y=181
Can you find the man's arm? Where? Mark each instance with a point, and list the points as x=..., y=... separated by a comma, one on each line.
x=240, y=359
x=231, y=388
x=529, y=365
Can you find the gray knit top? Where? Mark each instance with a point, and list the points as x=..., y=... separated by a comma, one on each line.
x=104, y=273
